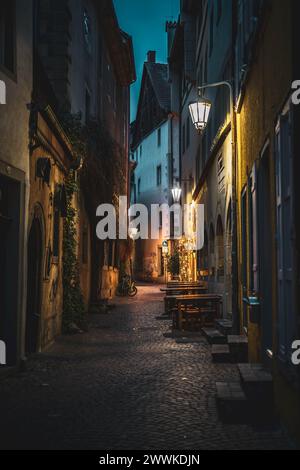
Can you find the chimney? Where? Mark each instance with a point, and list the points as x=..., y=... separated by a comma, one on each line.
x=171, y=27
x=151, y=56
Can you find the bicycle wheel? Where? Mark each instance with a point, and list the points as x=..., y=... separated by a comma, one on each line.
x=132, y=291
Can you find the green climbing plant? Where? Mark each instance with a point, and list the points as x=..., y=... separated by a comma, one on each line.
x=102, y=175
x=73, y=304
x=174, y=264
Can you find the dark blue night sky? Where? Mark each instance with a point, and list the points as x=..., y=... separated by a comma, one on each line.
x=145, y=21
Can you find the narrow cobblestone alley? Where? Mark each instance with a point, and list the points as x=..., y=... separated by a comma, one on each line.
x=123, y=385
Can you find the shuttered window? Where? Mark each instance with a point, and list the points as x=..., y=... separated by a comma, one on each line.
x=285, y=240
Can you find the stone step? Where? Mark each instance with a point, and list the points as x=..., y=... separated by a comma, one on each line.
x=256, y=381
x=213, y=336
x=232, y=403
x=221, y=353
x=224, y=326
x=238, y=346
x=257, y=384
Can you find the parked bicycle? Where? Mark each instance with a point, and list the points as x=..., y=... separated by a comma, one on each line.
x=126, y=287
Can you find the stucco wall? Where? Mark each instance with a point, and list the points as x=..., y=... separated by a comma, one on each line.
x=14, y=120
x=41, y=199
x=267, y=89
x=217, y=204
x=147, y=261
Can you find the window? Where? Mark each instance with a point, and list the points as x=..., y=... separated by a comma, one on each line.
x=286, y=259
x=221, y=173
x=253, y=230
x=159, y=137
x=158, y=175
x=188, y=133
x=244, y=254
x=7, y=35
x=160, y=219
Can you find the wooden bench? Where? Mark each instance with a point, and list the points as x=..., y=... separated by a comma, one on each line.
x=196, y=310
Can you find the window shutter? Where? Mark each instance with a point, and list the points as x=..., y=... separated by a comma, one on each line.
x=255, y=255
x=285, y=223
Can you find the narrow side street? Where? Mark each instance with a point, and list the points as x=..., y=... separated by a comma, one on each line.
x=124, y=385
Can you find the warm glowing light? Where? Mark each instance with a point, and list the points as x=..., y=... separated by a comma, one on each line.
x=176, y=193
x=199, y=111
x=133, y=233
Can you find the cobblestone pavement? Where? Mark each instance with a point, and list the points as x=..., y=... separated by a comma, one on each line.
x=123, y=385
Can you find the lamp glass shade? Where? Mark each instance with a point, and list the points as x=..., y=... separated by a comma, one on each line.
x=176, y=193
x=199, y=111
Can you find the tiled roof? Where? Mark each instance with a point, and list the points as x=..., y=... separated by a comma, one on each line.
x=158, y=74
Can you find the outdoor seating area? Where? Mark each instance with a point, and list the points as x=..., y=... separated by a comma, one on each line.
x=190, y=305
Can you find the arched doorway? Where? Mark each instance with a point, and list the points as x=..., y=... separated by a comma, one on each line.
x=34, y=276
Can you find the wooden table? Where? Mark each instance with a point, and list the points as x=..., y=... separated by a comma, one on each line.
x=173, y=292
x=184, y=289
x=199, y=307
x=186, y=284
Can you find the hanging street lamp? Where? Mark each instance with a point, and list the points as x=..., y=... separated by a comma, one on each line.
x=176, y=193
x=200, y=111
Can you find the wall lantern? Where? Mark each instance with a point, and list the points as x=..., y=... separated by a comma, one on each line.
x=43, y=169
x=199, y=111
x=165, y=248
x=176, y=193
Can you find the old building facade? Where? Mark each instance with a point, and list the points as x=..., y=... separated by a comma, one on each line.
x=242, y=167
x=67, y=68
x=156, y=161
x=201, y=54
x=16, y=62
x=267, y=147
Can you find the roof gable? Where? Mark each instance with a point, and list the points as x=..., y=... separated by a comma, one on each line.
x=154, y=100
